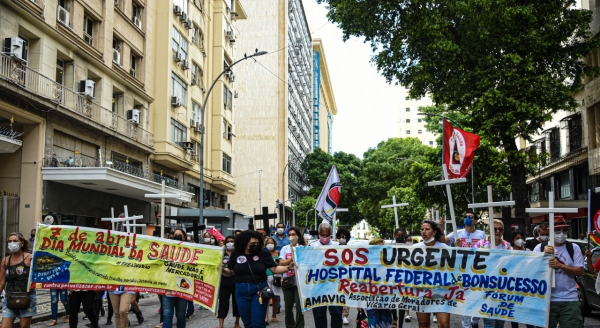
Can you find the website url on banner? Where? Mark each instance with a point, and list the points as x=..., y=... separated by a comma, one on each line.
x=133, y=265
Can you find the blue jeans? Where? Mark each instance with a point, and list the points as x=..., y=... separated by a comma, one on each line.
x=180, y=306
x=55, y=295
x=493, y=323
x=252, y=312
x=320, y=316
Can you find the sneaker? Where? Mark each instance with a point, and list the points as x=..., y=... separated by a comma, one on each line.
x=345, y=321
x=408, y=317
x=434, y=318
x=140, y=317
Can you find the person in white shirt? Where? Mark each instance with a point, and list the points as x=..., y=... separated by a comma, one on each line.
x=320, y=313
x=291, y=295
x=567, y=264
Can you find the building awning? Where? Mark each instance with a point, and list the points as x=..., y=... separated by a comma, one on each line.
x=108, y=180
x=544, y=218
x=9, y=145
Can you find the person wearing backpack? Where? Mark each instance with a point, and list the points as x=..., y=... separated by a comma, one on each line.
x=567, y=264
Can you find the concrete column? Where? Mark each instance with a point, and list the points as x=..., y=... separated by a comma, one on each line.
x=30, y=206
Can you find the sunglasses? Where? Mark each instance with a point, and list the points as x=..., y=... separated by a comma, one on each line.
x=565, y=231
x=499, y=229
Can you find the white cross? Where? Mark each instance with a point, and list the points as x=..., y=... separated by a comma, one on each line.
x=395, y=206
x=490, y=205
x=551, y=210
x=447, y=182
x=124, y=219
x=234, y=227
x=162, y=197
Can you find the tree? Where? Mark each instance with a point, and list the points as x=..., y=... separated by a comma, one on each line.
x=506, y=65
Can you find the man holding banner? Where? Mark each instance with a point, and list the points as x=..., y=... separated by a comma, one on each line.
x=567, y=263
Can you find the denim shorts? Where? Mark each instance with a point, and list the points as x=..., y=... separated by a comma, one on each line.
x=29, y=312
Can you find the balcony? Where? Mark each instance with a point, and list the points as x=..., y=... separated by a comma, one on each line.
x=84, y=108
x=115, y=177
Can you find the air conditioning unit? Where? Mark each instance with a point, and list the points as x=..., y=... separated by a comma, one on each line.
x=235, y=94
x=223, y=198
x=116, y=57
x=228, y=35
x=137, y=22
x=116, y=3
x=187, y=145
x=62, y=15
x=234, y=15
x=185, y=65
x=188, y=24
x=194, y=80
x=203, y=53
x=232, y=40
x=232, y=77
x=194, y=39
x=15, y=46
x=192, y=123
x=197, y=127
x=203, y=89
x=177, y=10
x=175, y=101
x=86, y=88
x=183, y=17
x=177, y=57
x=133, y=115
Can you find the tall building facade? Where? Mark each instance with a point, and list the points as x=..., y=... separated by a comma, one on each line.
x=100, y=103
x=274, y=115
x=324, y=107
x=412, y=125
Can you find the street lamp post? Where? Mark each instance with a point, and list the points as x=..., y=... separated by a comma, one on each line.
x=283, y=189
x=312, y=209
x=202, y=130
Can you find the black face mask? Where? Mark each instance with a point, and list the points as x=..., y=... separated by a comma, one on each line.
x=178, y=237
x=32, y=236
x=400, y=240
x=254, y=249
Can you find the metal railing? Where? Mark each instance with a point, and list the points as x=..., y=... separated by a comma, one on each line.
x=83, y=161
x=34, y=82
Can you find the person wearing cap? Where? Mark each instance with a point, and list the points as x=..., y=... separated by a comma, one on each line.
x=567, y=263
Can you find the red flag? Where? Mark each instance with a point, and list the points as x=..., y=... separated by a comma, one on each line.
x=459, y=150
x=216, y=233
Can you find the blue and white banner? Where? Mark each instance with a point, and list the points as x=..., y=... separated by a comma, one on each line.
x=497, y=284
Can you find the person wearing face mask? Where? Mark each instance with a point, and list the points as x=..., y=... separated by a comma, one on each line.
x=343, y=236
x=206, y=238
x=291, y=296
x=518, y=243
x=14, y=277
x=227, y=288
x=249, y=262
x=280, y=236
x=271, y=246
x=567, y=263
x=320, y=313
x=174, y=306
x=541, y=233
x=432, y=235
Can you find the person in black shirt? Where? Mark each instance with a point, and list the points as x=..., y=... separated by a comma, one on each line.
x=541, y=234
x=249, y=264
x=227, y=289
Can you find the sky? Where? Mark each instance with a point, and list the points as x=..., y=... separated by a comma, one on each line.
x=368, y=107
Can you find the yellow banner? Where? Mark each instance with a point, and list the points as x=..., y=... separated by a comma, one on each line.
x=70, y=257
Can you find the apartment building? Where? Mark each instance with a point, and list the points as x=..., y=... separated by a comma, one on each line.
x=324, y=107
x=412, y=125
x=274, y=115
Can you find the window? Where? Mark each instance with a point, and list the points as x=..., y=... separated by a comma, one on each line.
x=407, y=131
x=431, y=143
x=227, y=134
x=227, y=98
x=407, y=109
x=196, y=111
x=419, y=120
x=60, y=72
x=132, y=69
x=419, y=131
x=226, y=163
x=407, y=98
x=198, y=37
x=178, y=133
x=197, y=75
x=564, y=186
x=408, y=120
x=179, y=89
x=136, y=11
x=180, y=45
x=418, y=98
x=183, y=4
x=114, y=102
x=88, y=29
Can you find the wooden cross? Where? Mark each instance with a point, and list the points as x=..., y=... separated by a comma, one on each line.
x=265, y=216
x=490, y=205
x=195, y=228
x=551, y=210
x=395, y=206
x=447, y=182
x=125, y=219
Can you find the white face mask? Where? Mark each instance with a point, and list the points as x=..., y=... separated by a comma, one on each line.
x=519, y=242
x=270, y=247
x=212, y=241
x=293, y=239
x=560, y=238
x=207, y=240
x=544, y=238
x=280, y=231
x=429, y=240
x=229, y=246
x=342, y=241
x=14, y=247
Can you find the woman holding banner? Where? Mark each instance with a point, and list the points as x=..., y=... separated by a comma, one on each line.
x=174, y=306
x=14, y=279
x=227, y=289
x=431, y=234
x=291, y=296
x=249, y=262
